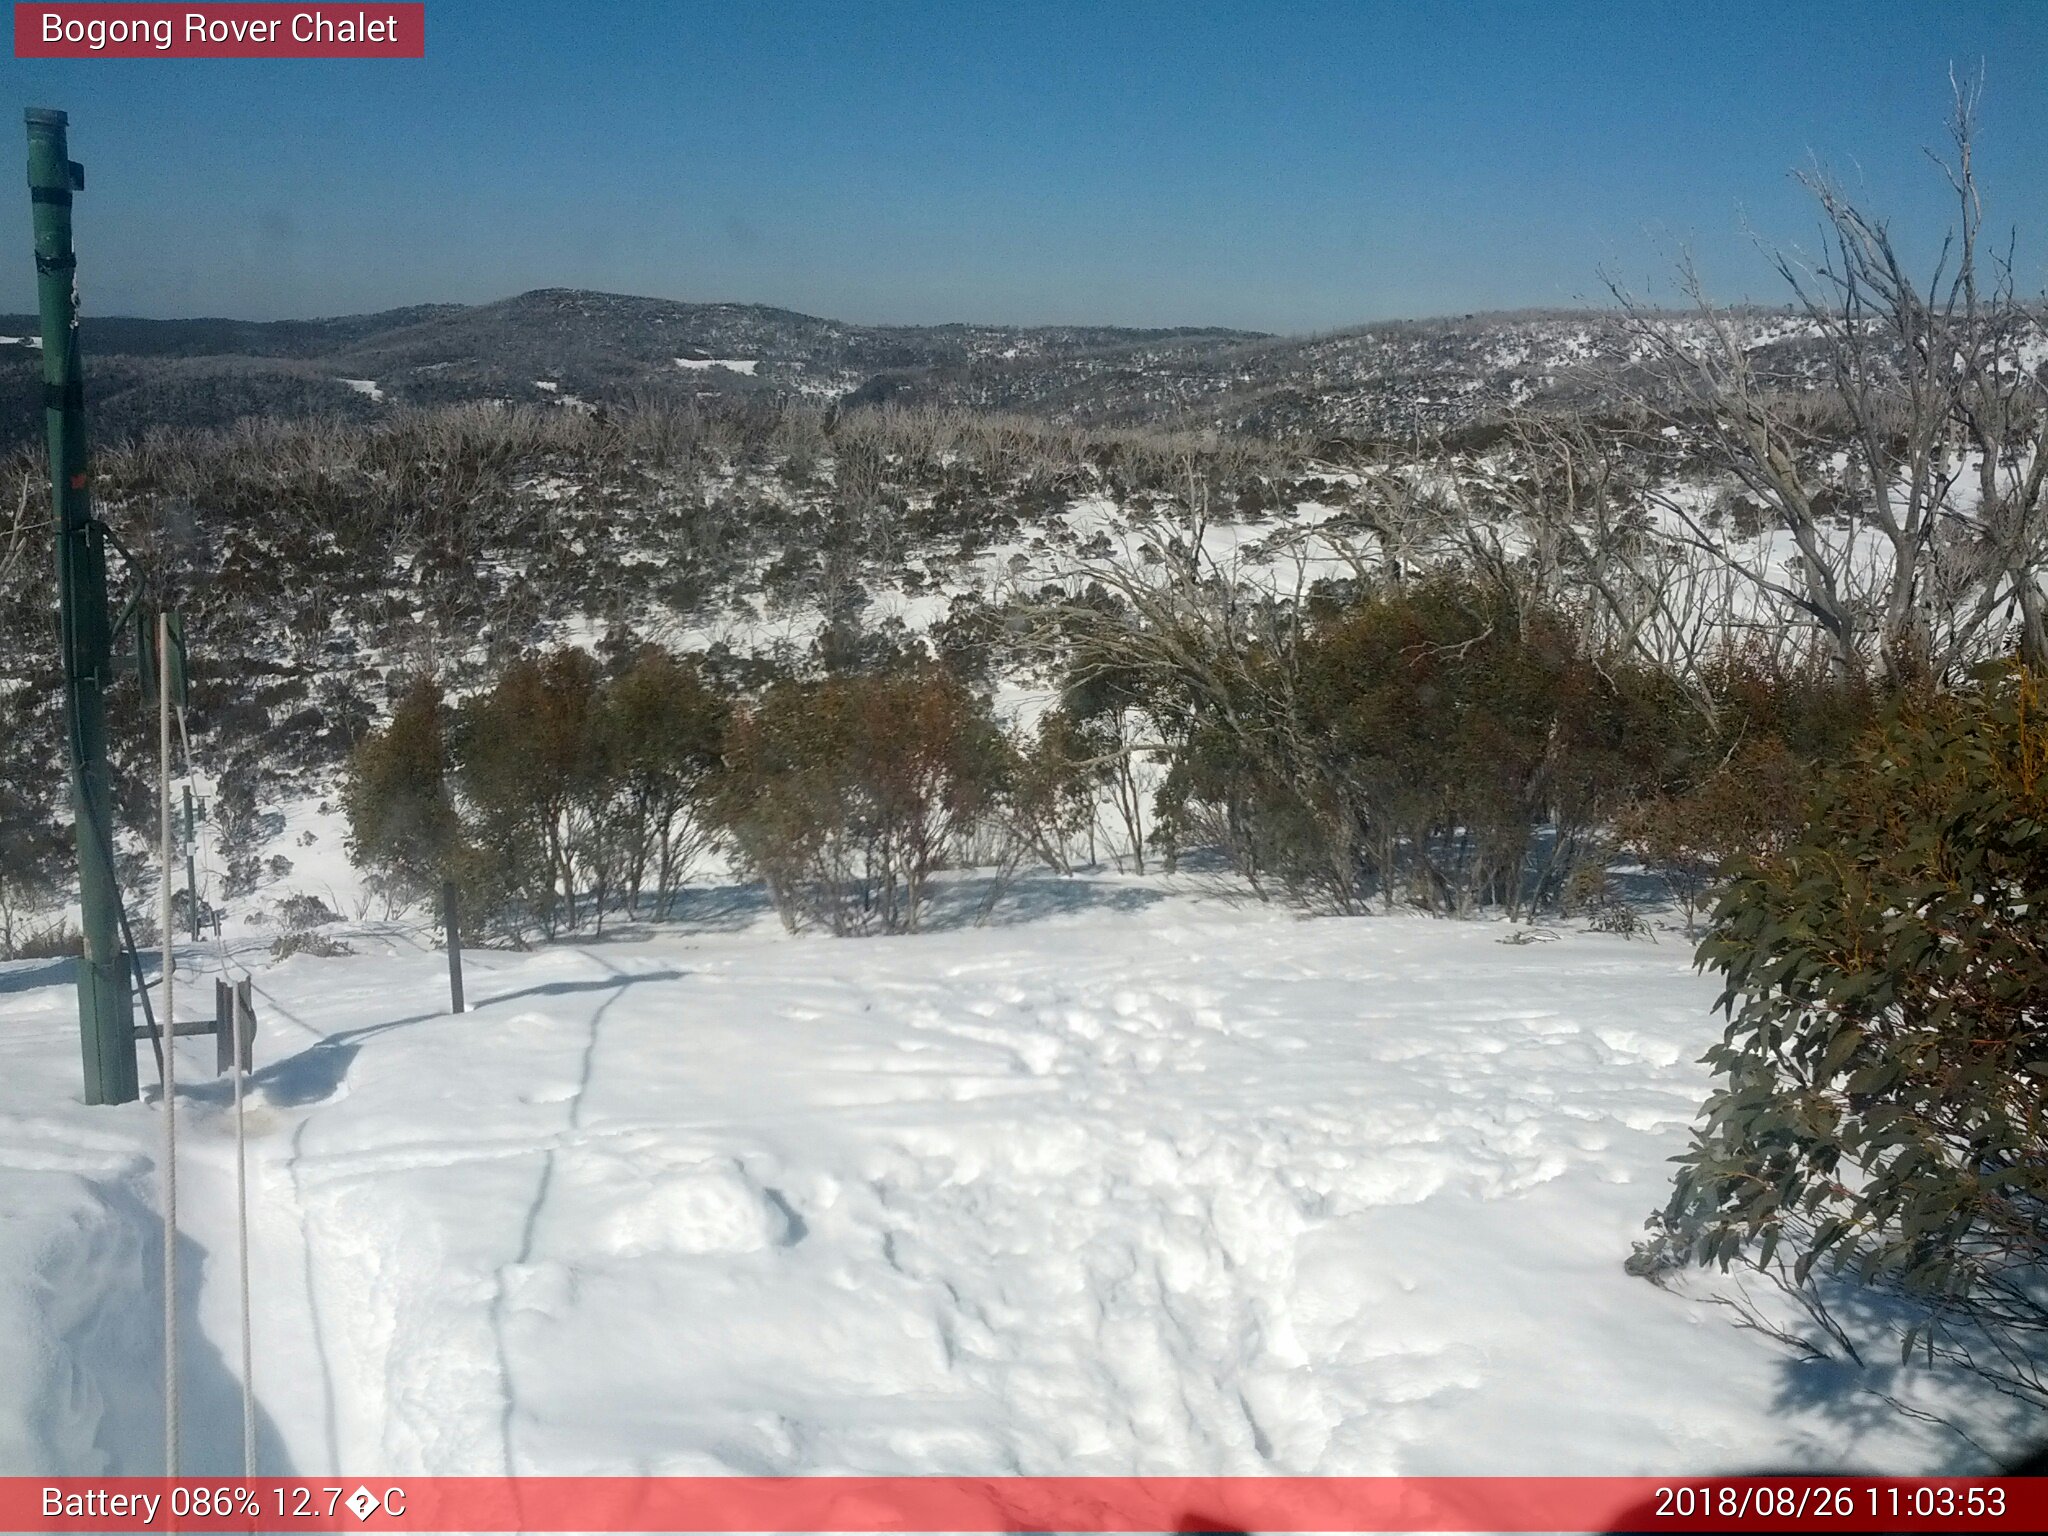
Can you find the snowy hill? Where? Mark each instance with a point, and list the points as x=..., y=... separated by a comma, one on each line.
x=1135, y=1179
x=155, y=374
x=1385, y=380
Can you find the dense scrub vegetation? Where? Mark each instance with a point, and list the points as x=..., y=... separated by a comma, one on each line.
x=563, y=793
x=1431, y=747
x=1486, y=694
x=322, y=564
x=1443, y=746
x=558, y=794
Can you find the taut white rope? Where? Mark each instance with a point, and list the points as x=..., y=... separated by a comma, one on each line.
x=234, y=1023
x=170, y=1032
x=242, y=1249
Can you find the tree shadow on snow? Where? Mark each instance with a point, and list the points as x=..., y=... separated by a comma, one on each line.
x=567, y=988
x=1027, y=898
x=26, y=976
x=116, y=1355
x=1848, y=1404
x=1856, y=1401
x=951, y=903
x=712, y=909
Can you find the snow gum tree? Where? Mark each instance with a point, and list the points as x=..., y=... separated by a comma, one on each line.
x=661, y=728
x=1909, y=492
x=847, y=795
x=1439, y=745
x=528, y=767
x=556, y=793
x=401, y=821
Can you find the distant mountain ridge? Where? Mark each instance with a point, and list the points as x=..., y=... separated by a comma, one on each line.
x=138, y=337
x=565, y=345
x=578, y=348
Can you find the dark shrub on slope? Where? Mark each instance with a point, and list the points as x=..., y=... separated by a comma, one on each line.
x=1881, y=1110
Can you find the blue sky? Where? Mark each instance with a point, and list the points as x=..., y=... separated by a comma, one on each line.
x=1283, y=167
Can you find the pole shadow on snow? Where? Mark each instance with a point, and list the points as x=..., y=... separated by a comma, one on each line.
x=316, y=1073
x=567, y=988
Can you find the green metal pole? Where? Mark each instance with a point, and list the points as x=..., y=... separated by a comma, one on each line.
x=105, y=1017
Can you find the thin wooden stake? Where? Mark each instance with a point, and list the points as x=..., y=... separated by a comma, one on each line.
x=453, y=928
x=223, y=1024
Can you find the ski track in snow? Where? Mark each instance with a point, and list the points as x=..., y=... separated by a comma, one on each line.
x=1155, y=1184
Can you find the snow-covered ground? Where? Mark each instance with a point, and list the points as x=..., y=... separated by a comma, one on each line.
x=1138, y=1178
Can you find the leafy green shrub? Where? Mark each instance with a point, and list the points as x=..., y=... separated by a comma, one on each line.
x=48, y=943
x=1052, y=796
x=33, y=879
x=1419, y=743
x=308, y=941
x=301, y=911
x=1746, y=803
x=661, y=728
x=557, y=793
x=395, y=796
x=1735, y=780
x=528, y=768
x=846, y=795
x=1881, y=1109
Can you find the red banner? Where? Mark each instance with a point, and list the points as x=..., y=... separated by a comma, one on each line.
x=383, y=1505
x=93, y=31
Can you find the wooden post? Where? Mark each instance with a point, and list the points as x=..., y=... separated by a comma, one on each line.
x=223, y=1024
x=453, y=929
x=245, y=1023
